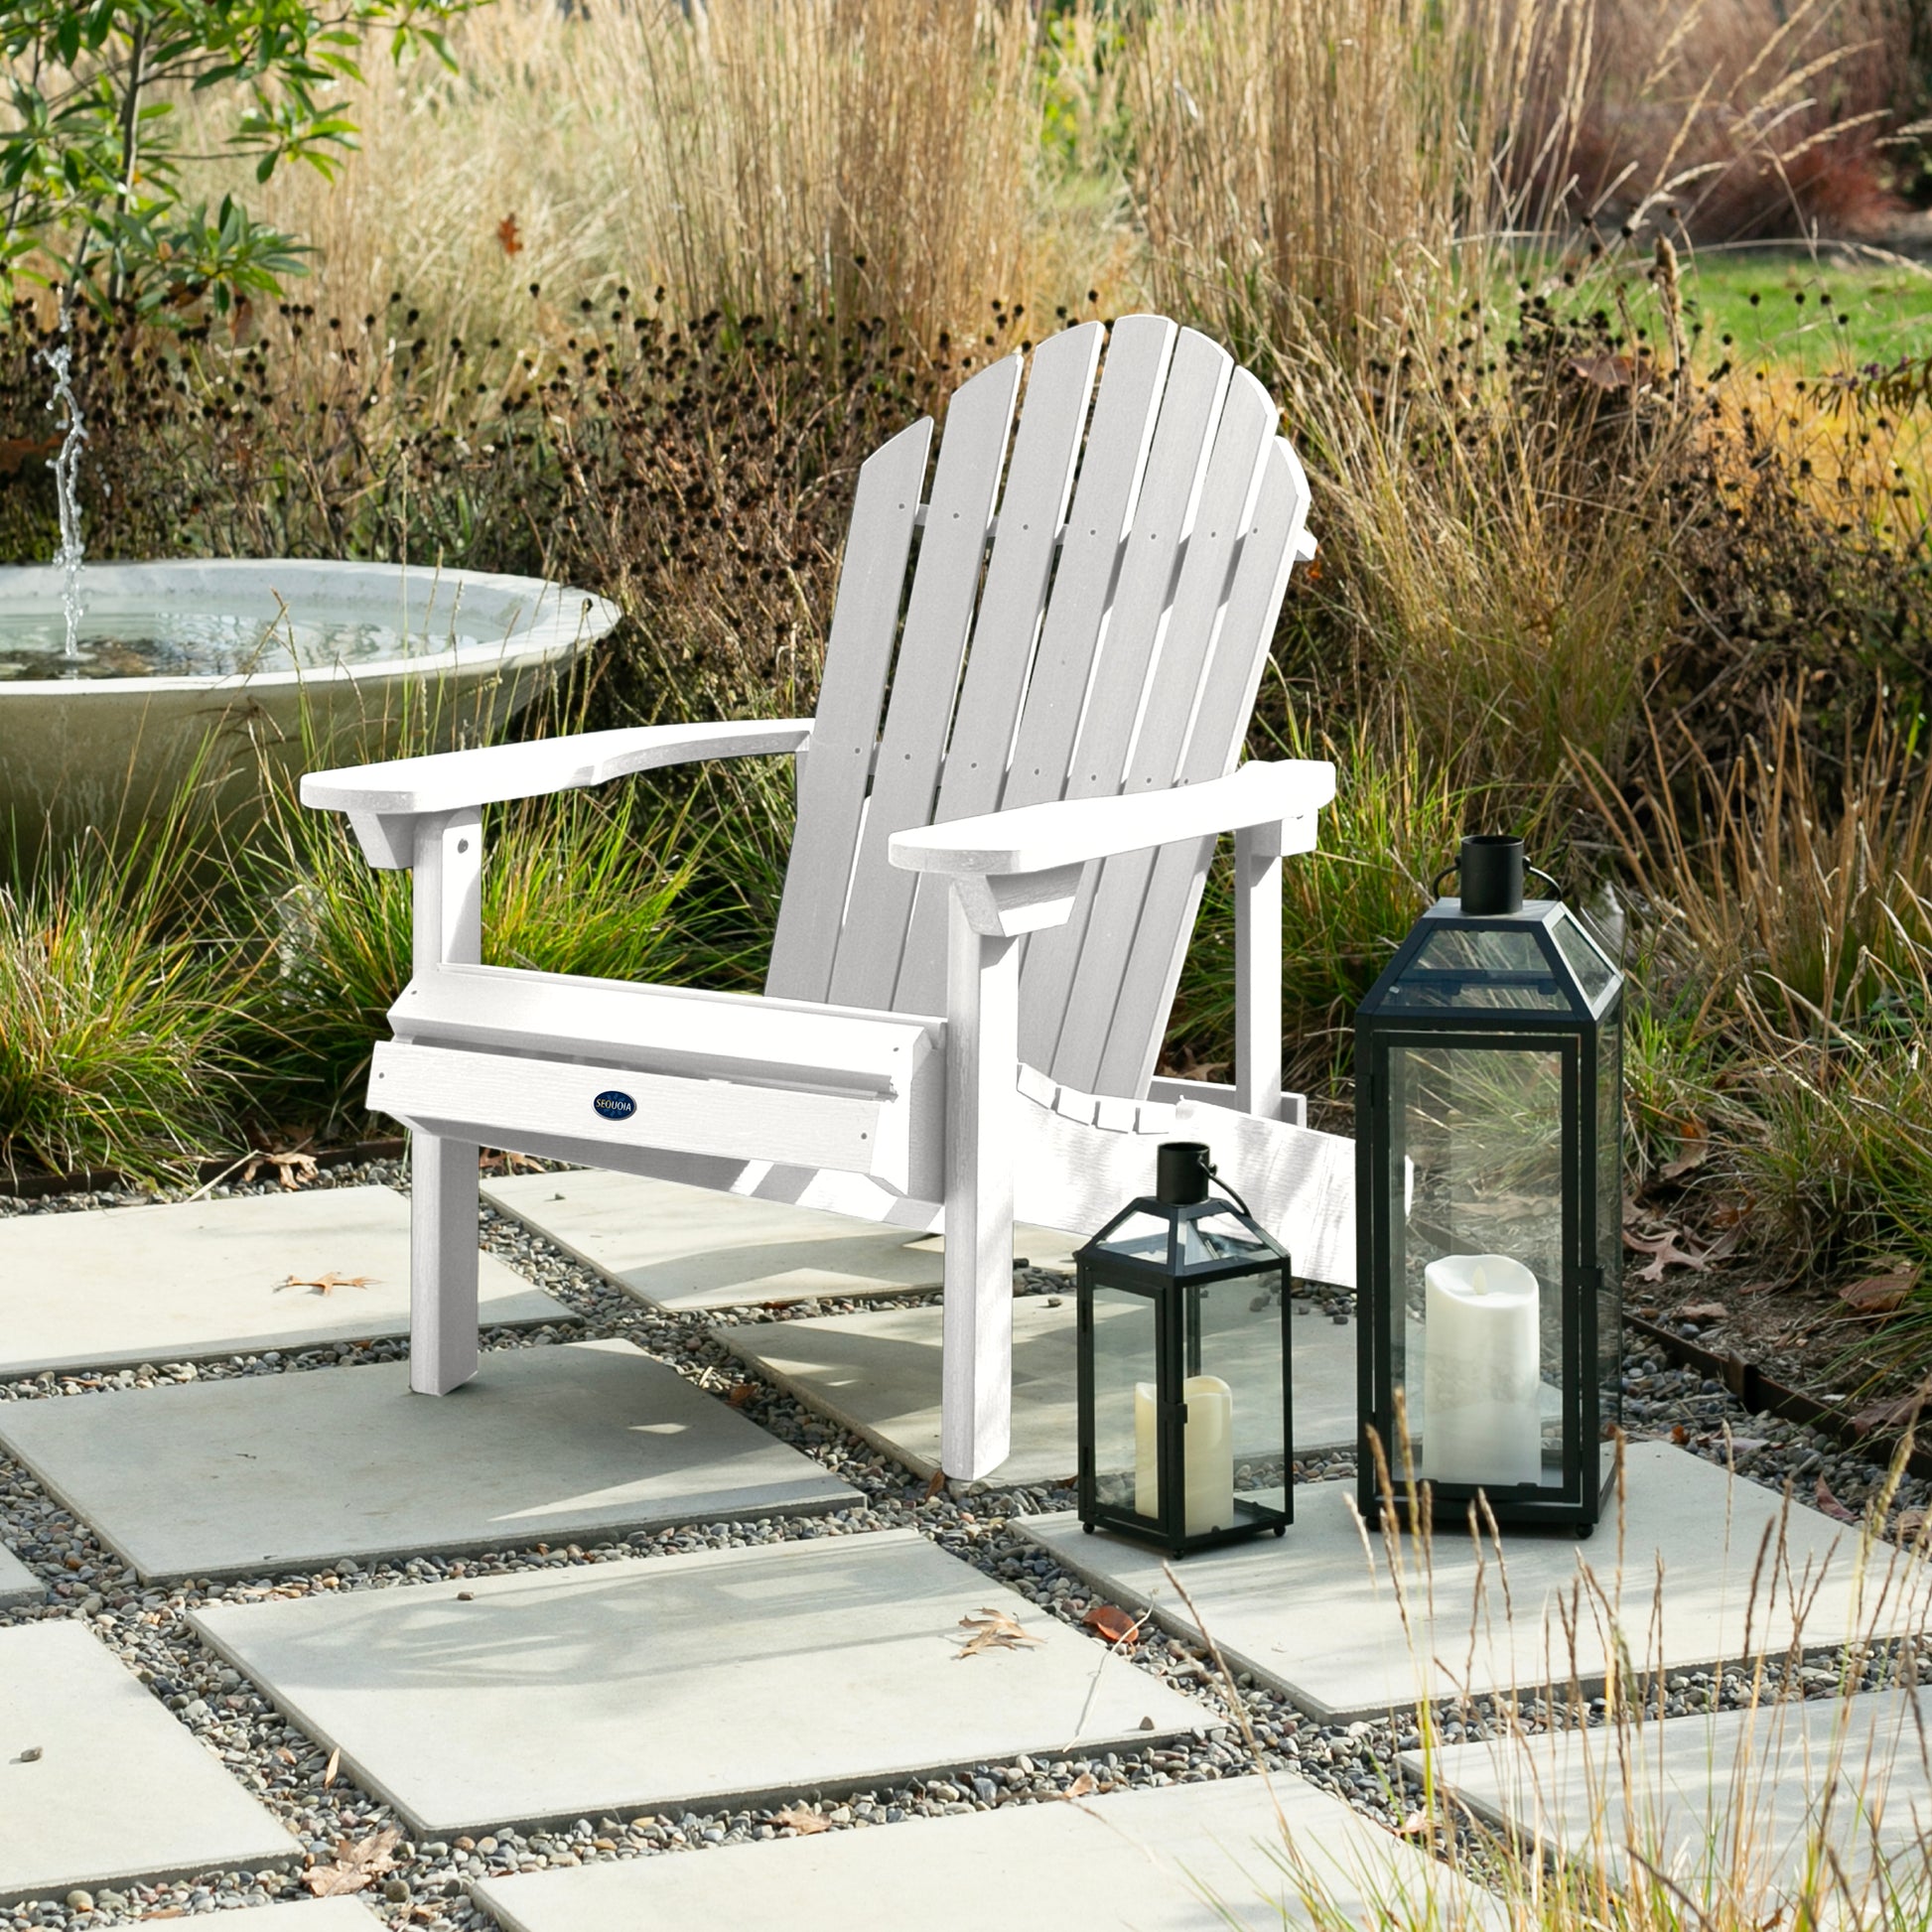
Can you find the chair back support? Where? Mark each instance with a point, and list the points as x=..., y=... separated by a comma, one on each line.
x=1110, y=639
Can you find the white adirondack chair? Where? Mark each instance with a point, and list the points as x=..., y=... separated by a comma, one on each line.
x=991, y=885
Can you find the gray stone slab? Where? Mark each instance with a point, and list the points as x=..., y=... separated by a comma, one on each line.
x=18, y=1583
x=1733, y=1806
x=1318, y=1613
x=679, y=1247
x=260, y=1474
x=119, y=1791
x=1154, y=1861
x=878, y=1373
x=191, y=1280
x=737, y=1676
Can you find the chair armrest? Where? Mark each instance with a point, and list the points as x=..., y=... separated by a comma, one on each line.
x=1071, y=831
x=490, y=774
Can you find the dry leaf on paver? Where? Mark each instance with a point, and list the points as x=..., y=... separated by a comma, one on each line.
x=994, y=1630
x=801, y=1821
x=1829, y=1504
x=1112, y=1623
x=356, y=1865
x=325, y=1283
x=1883, y=1293
x=330, y=1768
x=1083, y=1786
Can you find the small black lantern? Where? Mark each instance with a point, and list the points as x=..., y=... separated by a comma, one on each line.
x=1184, y=1367
x=1488, y=1122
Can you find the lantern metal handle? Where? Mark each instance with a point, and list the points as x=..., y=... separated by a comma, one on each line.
x=1215, y=1175
x=1455, y=865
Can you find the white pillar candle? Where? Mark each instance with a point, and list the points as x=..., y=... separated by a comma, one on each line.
x=1208, y=1453
x=1481, y=1409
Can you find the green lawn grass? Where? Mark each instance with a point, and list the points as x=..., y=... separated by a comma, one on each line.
x=1783, y=308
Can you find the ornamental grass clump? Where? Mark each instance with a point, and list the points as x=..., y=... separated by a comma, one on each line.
x=126, y=1004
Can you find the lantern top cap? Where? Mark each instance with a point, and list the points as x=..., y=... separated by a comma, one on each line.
x=1537, y=963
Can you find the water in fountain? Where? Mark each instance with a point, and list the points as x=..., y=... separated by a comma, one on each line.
x=66, y=465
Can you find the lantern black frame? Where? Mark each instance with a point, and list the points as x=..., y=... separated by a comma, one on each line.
x=1174, y=1287
x=1592, y=1293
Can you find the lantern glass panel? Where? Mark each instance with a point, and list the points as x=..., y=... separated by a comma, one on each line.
x=1594, y=974
x=1478, y=1340
x=1239, y=1351
x=1609, y=1232
x=1124, y=1352
x=1478, y=969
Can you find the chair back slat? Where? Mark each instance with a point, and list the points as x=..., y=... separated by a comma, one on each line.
x=925, y=681
x=1139, y=351
x=1184, y=435
x=1157, y=758
x=837, y=769
x=1158, y=946
x=1118, y=643
x=1039, y=479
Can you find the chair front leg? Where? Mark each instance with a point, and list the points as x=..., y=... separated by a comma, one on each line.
x=982, y=1063
x=447, y=930
x=1257, y=969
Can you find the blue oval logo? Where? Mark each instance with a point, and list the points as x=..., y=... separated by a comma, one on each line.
x=612, y=1105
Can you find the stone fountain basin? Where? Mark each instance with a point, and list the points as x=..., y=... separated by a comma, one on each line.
x=114, y=753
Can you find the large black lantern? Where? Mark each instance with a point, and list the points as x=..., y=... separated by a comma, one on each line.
x=1184, y=1384
x=1488, y=1110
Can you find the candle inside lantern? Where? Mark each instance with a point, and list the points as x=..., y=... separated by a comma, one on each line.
x=1482, y=1413
x=1208, y=1453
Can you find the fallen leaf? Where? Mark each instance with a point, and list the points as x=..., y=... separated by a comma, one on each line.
x=1881, y=1293
x=1703, y=1312
x=935, y=1484
x=1081, y=1786
x=1665, y=1253
x=325, y=1283
x=1679, y=1433
x=740, y=1393
x=1415, y=1825
x=355, y=1866
x=1907, y=1524
x=801, y=1821
x=1112, y=1623
x=291, y=1165
x=496, y=1159
x=994, y=1630
x=1889, y=1414
x=508, y=234
x=1829, y=1504
x=330, y=1771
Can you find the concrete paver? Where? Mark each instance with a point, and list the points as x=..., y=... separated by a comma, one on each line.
x=257, y=1473
x=878, y=1373
x=1152, y=1860
x=1742, y=1798
x=18, y=1583
x=679, y=1247
x=189, y=1280
x=100, y=1785
x=1318, y=1613
x=733, y=1676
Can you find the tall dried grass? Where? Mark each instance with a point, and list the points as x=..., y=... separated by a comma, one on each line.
x=873, y=156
